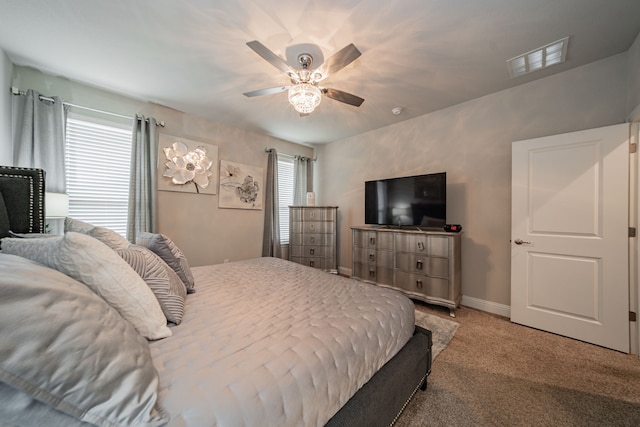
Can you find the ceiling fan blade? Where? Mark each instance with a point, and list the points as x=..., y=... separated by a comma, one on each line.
x=267, y=91
x=340, y=59
x=270, y=57
x=341, y=96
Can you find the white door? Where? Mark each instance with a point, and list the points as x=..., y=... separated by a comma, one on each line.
x=569, y=235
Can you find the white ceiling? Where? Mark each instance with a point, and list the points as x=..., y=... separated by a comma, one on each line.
x=422, y=55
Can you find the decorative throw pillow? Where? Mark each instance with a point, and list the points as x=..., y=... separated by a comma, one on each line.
x=63, y=346
x=101, y=269
x=171, y=254
x=109, y=237
x=106, y=236
x=163, y=281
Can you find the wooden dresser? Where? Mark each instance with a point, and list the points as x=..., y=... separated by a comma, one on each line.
x=425, y=265
x=313, y=236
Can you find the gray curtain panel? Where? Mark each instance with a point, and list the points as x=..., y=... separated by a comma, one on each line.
x=38, y=133
x=302, y=179
x=271, y=236
x=143, y=185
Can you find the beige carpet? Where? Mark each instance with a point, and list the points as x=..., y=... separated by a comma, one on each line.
x=497, y=373
x=442, y=330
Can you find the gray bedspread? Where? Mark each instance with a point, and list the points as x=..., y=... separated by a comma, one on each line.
x=266, y=342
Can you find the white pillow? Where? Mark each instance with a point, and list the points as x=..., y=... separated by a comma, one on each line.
x=101, y=269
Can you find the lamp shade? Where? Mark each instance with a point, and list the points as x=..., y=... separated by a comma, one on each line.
x=56, y=205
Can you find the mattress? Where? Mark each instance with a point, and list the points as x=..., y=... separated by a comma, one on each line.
x=266, y=342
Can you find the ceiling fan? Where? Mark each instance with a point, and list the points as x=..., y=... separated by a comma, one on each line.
x=304, y=90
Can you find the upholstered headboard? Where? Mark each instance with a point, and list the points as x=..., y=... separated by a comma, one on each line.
x=21, y=200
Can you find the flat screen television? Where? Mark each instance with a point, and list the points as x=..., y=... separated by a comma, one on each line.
x=413, y=200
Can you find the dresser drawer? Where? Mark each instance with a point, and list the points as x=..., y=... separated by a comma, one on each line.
x=313, y=227
x=417, y=243
x=317, y=214
x=422, y=264
x=373, y=273
x=417, y=283
x=310, y=251
x=372, y=239
x=315, y=262
x=372, y=256
x=325, y=239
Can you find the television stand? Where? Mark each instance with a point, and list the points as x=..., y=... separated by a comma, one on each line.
x=424, y=265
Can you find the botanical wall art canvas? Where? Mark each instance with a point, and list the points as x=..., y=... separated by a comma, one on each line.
x=241, y=186
x=187, y=166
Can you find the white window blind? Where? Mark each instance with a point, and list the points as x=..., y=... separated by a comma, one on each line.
x=285, y=195
x=98, y=156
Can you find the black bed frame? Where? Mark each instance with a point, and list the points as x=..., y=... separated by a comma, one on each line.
x=378, y=403
x=381, y=400
x=23, y=192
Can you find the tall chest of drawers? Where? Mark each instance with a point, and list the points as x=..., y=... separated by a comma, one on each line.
x=425, y=265
x=313, y=236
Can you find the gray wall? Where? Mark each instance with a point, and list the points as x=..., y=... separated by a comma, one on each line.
x=206, y=234
x=5, y=109
x=633, y=83
x=472, y=143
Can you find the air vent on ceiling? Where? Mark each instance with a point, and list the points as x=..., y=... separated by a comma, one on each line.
x=538, y=59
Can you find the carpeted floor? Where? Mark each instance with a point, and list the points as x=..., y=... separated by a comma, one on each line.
x=442, y=330
x=497, y=373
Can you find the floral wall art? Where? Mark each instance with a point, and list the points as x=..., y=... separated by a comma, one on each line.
x=187, y=166
x=241, y=186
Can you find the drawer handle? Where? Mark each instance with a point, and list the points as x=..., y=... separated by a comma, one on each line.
x=372, y=274
x=312, y=251
x=421, y=246
x=312, y=214
x=312, y=263
x=419, y=264
x=313, y=238
x=419, y=284
x=372, y=258
x=312, y=226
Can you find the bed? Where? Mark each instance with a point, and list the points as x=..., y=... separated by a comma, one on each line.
x=260, y=342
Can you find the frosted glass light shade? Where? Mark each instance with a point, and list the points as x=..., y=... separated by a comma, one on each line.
x=56, y=205
x=304, y=97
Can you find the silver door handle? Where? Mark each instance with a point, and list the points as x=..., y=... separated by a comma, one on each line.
x=521, y=242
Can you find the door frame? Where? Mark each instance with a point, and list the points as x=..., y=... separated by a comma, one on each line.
x=634, y=221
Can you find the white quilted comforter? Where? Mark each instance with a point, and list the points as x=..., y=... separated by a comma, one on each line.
x=266, y=342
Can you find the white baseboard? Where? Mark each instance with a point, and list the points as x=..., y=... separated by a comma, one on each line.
x=488, y=306
x=478, y=304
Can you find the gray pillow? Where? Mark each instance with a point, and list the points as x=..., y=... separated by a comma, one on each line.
x=105, y=235
x=163, y=281
x=77, y=226
x=103, y=271
x=171, y=254
x=62, y=345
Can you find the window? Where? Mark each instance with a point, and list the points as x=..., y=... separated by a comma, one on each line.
x=285, y=195
x=98, y=156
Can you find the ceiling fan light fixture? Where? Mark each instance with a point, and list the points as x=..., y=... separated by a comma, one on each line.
x=304, y=97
